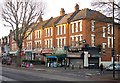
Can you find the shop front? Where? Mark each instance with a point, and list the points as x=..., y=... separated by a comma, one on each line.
x=28, y=55
x=75, y=59
x=51, y=61
x=37, y=56
x=46, y=52
x=13, y=55
x=93, y=58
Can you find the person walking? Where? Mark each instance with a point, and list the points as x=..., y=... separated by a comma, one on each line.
x=101, y=69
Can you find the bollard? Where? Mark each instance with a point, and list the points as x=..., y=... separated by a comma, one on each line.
x=79, y=66
x=72, y=66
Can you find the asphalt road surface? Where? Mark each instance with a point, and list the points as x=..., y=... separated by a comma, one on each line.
x=11, y=74
x=26, y=75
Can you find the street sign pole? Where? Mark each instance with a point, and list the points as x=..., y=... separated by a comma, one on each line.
x=113, y=51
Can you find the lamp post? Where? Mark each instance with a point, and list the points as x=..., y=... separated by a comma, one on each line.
x=113, y=51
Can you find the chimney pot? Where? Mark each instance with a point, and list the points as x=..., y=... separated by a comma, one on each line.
x=62, y=11
x=76, y=7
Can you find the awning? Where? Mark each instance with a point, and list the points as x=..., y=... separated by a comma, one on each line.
x=51, y=57
x=47, y=51
x=13, y=52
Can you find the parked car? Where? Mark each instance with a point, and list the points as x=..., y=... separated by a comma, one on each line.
x=117, y=67
x=9, y=61
x=3, y=60
x=6, y=60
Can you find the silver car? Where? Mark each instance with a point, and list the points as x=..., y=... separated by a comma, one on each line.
x=117, y=67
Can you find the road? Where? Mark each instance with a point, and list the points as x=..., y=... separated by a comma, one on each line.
x=25, y=75
x=11, y=74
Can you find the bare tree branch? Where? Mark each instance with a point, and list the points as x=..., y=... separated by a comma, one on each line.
x=106, y=7
x=22, y=17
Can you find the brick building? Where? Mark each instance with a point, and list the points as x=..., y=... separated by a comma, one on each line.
x=69, y=29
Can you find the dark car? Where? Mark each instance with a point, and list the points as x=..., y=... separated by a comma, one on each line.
x=6, y=60
x=9, y=61
x=117, y=67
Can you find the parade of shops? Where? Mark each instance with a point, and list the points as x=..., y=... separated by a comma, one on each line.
x=62, y=40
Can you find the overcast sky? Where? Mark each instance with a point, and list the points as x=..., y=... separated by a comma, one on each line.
x=53, y=9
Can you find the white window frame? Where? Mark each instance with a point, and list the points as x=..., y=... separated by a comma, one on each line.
x=92, y=40
x=51, y=31
x=80, y=37
x=80, y=25
x=104, y=31
x=57, y=30
x=93, y=25
x=64, y=41
x=109, y=42
x=72, y=27
x=76, y=29
x=64, y=29
x=110, y=28
x=104, y=45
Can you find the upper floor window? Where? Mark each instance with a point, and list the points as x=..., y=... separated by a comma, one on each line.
x=92, y=25
x=80, y=25
x=38, y=44
x=104, y=45
x=110, y=42
x=29, y=37
x=76, y=27
x=93, y=40
x=110, y=29
x=29, y=45
x=37, y=34
x=104, y=31
x=72, y=25
x=57, y=30
x=48, y=32
x=61, y=29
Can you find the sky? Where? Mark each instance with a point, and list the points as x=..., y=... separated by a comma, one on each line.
x=52, y=10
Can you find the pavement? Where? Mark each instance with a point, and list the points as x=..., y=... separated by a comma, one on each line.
x=90, y=73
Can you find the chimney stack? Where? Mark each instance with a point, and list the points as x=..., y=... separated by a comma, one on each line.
x=76, y=7
x=62, y=11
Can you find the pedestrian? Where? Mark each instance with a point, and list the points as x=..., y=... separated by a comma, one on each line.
x=101, y=69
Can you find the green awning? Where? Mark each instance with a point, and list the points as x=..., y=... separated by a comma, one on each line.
x=13, y=52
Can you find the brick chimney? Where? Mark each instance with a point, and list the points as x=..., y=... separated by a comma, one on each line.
x=76, y=7
x=62, y=11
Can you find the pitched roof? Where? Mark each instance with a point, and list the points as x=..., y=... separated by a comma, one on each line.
x=90, y=14
x=41, y=24
x=73, y=15
x=65, y=18
x=53, y=21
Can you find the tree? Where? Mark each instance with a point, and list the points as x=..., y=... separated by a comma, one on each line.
x=22, y=16
x=106, y=6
